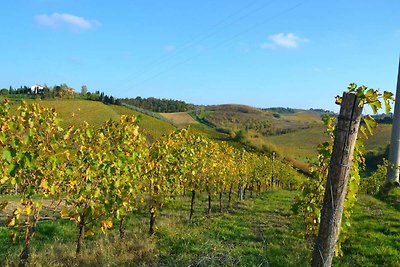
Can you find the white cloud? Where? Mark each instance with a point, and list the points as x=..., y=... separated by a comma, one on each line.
x=73, y=22
x=287, y=40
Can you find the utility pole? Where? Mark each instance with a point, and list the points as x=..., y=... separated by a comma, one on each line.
x=394, y=152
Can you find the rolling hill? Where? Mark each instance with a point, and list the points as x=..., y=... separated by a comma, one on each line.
x=75, y=112
x=292, y=133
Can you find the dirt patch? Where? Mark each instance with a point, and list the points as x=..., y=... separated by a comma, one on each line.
x=179, y=118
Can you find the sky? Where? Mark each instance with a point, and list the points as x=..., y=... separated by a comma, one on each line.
x=262, y=53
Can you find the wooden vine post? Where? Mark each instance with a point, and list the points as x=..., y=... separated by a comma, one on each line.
x=336, y=186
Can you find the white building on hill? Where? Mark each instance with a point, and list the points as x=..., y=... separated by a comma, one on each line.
x=37, y=89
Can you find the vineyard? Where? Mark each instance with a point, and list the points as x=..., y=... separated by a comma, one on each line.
x=96, y=177
x=97, y=190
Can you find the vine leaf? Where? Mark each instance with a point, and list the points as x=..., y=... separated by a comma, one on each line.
x=388, y=99
x=338, y=100
x=3, y=205
x=370, y=123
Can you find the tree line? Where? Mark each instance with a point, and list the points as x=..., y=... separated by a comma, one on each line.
x=159, y=105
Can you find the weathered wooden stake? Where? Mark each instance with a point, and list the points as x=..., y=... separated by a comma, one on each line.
x=336, y=186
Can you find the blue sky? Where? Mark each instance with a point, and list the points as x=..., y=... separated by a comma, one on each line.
x=263, y=53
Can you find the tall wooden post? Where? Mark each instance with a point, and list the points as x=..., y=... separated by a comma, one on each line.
x=336, y=186
x=394, y=151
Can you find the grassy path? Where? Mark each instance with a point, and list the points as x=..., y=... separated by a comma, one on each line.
x=375, y=236
x=257, y=232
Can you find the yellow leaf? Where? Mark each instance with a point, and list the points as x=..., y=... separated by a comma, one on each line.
x=39, y=205
x=75, y=218
x=13, y=237
x=89, y=232
x=28, y=209
x=10, y=221
x=107, y=224
x=3, y=205
x=64, y=213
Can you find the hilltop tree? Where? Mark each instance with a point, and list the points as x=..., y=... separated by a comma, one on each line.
x=84, y=90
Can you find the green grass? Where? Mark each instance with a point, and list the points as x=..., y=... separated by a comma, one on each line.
x=256, y=232
x=375, y=236
x=76, y=112
x=251, y=234
x=154, y=127
x=381, y=137
x=208, y=132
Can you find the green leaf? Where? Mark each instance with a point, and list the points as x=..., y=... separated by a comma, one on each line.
x=375, y=106
x=363, y=131
x=388, y=98
x=370, y=123
x=7, y=155
x=352, y=87
x=12, y=169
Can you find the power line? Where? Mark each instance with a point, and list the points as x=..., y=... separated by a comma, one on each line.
x=222, y=42
x=215, y=29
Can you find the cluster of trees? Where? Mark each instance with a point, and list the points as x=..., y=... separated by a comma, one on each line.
x=15, y=91
x=159, y=105
x=281, y=110
x=384, y=118
x=101, y=175
x=59, y=91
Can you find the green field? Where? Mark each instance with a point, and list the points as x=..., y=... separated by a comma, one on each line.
x=381, y=137
x=256, y=232
x=75, y=112
x=152, y=126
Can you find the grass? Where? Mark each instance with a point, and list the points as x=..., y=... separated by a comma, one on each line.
x=375, y=237
x=264, y=237
x=208, y=132
x=300, y=144
x=304, y=116
x=381, y=137
x=258, y=232
x=152, y=126
x=76, y=112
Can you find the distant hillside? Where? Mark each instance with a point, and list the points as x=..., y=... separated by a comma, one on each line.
x=75, y=112
x=292, y=133
x=263, y=122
